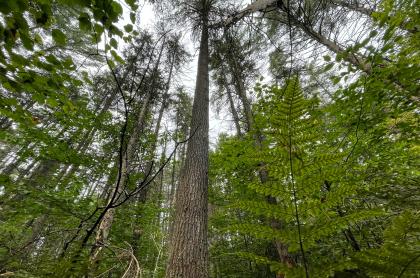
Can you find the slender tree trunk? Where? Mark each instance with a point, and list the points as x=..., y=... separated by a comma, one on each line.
x=238, y=82
x=143, y=194
x=234, y=112
x=149, y=165
x=159, y=119
x=188, y=257
x=125, y=168
x=282, y=249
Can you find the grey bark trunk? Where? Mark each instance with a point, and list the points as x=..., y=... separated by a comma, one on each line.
x=188, y=256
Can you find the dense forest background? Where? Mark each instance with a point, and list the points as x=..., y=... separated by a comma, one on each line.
x=106, y=168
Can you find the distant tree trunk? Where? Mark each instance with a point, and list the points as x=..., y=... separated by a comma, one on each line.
x=171, y=190
x=20, y=157
x=238, y=81
x=125, y=168
x=88, y=137
x=188, y=256
x=234, y=112
x=149, y=165
x=142, y=196
x=282, y=249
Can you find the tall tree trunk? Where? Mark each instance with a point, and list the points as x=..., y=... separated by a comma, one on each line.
x=125, y=168
x=188, y=257
x=163, y=106
x=149, y=165
x=142, y=196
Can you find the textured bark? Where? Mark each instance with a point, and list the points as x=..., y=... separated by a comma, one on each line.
x=188, y=256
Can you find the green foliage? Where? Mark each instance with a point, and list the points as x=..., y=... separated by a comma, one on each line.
x=324, y=193
x=399, y=255
x=49, y=116
x=59, y=37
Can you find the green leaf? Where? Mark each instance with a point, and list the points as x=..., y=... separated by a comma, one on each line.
x=113, y=42
x=52, y=102
x=336, y=79
x=328, y=67
x=18, y=60
x=117, y=57
x=68, y=63
x=26, y=41
x=131, y=3
x=327, y=58
x=59, y=37
x=53, y=60
x=38, y=39
x=38, y=97
x=111, y=64
x=9, y=6
x=114, y=30
x=116, y=7
x=133, y=17
x=84, y=22
x=128, y=28
x=99, y=29
x=373, y=33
